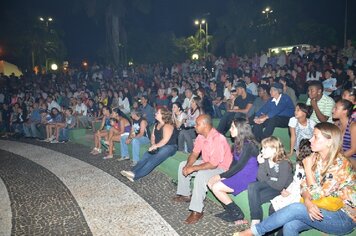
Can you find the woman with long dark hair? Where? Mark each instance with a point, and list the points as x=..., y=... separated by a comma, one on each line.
x=242, y=171
x=342, y=113
x=207, y=105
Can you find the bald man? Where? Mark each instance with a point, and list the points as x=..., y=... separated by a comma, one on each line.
x=216, y=159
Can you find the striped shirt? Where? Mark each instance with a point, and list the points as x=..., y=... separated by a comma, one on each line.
x=346, y=143
x=326, y=105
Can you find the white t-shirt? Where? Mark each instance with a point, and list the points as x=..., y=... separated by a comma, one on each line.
x=310, y=76
x=252, y=88
x=301, y=132
x=294, y=189
x=227, y=93
x=124, y=105
x=52, y=105
x=79, y=108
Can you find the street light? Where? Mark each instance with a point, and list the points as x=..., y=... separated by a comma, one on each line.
x=201, y=22
x=54, y=67
x=46, y=20
x=267, y=11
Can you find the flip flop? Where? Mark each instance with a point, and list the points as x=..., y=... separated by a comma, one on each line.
x=241, y=222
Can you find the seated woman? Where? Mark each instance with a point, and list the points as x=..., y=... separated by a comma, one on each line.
x=139, y=135
x=163, y=145
x=122, y=126
x=350, y=95
x=242, y=171
x=98, y=115
x=274, y=174
x=328, y=173
x=207, y=105
x=103, y=130
x=55, y=118
x=178, y=115
x=342, y=114
x=124, y=103
x=300, y=126
x=187, y=134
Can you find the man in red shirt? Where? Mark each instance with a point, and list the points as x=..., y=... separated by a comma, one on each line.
x=216, y=159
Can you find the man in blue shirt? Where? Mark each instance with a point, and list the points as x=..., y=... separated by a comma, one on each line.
x=147, y=110
x=275, y=113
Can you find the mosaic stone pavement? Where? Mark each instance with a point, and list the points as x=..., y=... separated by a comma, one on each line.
x=60, y=189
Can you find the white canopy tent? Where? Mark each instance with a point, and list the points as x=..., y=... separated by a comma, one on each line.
x=7, y=68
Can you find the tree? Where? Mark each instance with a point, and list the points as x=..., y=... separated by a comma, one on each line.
x=114, y=15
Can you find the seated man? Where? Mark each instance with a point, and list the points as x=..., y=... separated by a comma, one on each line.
x=216, y=96
x=322, y=104
x=263, y=97
x=240, y=107
x=275, y=113
x=216, y=158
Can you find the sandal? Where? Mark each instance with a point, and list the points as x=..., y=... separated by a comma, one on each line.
x=97, y=151
x=93, y=151
x=108, y=157
x=241, y=222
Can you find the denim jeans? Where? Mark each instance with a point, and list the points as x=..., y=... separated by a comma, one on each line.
x=186, y=136
x=295, y=218
x=136, y=143
x=151, y=161
x=64, y=134
x=259, y=193
x=30, y=130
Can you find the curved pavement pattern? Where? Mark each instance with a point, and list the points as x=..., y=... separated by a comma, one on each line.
x=109, y=206
x=5, y=210
x=40, y=203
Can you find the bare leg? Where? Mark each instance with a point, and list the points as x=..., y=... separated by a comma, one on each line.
x=220, y=190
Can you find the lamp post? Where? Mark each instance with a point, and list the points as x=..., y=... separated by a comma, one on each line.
x=46, y=20
x=201, y=22
x=267, y=11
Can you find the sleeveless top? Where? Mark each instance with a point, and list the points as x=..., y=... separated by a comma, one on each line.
x=107, y=123
x=159, y=136
x=136, y=124
x=346, y=143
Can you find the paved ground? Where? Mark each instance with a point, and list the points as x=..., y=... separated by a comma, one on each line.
x=60, y=189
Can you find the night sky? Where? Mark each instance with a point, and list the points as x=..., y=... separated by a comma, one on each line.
x=82, y=35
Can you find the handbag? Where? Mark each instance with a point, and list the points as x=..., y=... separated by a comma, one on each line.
x=329, y=203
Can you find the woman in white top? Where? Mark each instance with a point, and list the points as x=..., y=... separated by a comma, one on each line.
x=124, y=103
x=187, y=134
x=313, y=74
x=178, y=115
x=300, y=126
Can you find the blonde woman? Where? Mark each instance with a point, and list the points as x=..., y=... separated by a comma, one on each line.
x=328, y=173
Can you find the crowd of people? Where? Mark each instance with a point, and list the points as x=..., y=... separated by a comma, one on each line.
x=170, y=108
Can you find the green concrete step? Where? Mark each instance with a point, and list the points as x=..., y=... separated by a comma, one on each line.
x=283, y=135
x=170, y=168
